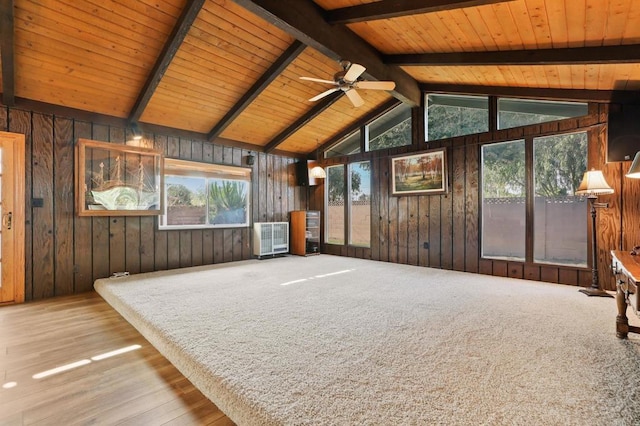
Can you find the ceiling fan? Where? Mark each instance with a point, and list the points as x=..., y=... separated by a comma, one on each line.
x=348, y=80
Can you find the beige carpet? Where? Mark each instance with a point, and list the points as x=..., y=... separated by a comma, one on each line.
x=328, y=340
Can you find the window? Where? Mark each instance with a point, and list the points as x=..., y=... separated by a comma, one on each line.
x=360, y=204
x=448, y=116
x=334, y=199
x=557, y=218
x=389, y=130
x=356, y=191
x=347, y=146
x=503, y=200
x=521, y=112
x=199, y=195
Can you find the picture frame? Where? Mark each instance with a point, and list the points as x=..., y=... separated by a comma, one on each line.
x=424, y=173
x=117, y=180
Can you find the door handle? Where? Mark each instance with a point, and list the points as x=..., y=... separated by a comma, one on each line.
x=7, y=219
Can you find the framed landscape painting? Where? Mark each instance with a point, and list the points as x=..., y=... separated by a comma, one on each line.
x=419, y=174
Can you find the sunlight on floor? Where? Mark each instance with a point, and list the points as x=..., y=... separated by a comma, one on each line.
x=76, y=364
x=318, y=276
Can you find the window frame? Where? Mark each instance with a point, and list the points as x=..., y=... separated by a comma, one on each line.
x=361, y=131
x=529, y=200
x=349, y=138
x=349, y=218
x=345, y=215
x=481, y=173
x=494, y=111
x=347, y=231
x=366, y=131
x=195, y=169
x=528, y=103
x=473, y=97
x=582, y=198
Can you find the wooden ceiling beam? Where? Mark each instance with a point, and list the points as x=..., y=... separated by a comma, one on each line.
x=578, y=95
x=261, y=84
x=305, y=21
x=386, y=9
x=7, y=54
x=300, y=122
x=629, y=53
x=186, y=19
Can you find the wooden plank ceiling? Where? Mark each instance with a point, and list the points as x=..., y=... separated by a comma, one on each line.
x=230, y=69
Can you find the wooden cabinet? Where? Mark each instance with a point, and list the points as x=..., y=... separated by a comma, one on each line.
x=305, y=232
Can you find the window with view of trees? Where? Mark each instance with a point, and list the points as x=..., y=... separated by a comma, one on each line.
x=347, y=146
x=558, y=216
x=448, y=116
x=521, y=112
x=389, y=130
x=560, y=219
x=199, y=195
x=504, y=200
x=353, y=188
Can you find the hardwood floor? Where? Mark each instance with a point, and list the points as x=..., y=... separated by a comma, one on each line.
x=139, y=387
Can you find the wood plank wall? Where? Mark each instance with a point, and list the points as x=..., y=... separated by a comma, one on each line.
x=450, y=223
x=65, y=253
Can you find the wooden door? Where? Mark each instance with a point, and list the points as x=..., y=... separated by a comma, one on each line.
x=12, y=204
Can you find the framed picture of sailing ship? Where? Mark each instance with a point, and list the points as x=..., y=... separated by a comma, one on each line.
x=117, y=180
x=420, y=174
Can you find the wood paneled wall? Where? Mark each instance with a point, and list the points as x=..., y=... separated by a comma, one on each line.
x=65, y=253
x=449, y=223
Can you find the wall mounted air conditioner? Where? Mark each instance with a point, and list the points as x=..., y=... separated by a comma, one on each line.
x=270, y=238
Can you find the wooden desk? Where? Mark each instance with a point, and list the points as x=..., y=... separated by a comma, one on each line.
x=626, y=269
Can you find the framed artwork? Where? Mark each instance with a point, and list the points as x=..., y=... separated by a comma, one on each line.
x=117, y=180
x=419, y=174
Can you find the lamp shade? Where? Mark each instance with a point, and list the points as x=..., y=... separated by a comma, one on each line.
x=634, y=170
x=593, y=183
x=317, y=172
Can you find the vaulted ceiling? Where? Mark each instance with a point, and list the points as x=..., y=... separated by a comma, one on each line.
x=230, y=70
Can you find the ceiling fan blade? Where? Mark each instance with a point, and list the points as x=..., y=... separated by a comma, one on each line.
x=318, y=80
x=354, y=97
x=354, y=71
x=375, y=85
x=323, y=94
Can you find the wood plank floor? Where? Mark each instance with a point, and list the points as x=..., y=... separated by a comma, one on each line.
x=139, y=387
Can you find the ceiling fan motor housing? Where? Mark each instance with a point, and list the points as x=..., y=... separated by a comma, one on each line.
x=340, y=81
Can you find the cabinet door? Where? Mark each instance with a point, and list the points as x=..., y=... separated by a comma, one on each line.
x=298, y=232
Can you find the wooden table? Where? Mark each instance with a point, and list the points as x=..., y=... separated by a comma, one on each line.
x=626, y=268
